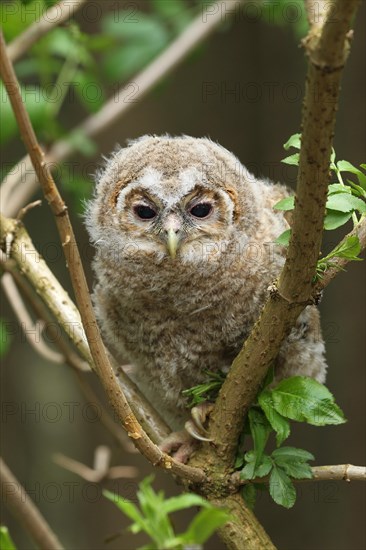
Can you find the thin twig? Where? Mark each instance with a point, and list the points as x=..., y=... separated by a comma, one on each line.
x=32, y=331
x=51, y=18
x=338, y=472
x=102, y=469
x=22, y=507
x=122, y=100
x=104, y=369
x=339, y=264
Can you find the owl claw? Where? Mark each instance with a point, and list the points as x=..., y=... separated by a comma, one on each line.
x=181, y=445
x=195, y=426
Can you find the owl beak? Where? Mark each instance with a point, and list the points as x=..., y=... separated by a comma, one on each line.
x=172, y=242
x=172, y=230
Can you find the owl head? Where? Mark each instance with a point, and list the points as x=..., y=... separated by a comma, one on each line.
x=170, y=198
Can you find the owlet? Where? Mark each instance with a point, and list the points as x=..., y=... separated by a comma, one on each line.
x=185, y=252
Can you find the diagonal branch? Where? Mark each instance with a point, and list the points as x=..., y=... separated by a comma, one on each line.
x=22, y=507
x=327, y=49
x=104, y=369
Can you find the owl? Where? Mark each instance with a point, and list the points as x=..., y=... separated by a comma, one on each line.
x=185, y=253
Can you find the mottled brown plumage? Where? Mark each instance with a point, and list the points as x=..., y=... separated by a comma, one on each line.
x=185, y=254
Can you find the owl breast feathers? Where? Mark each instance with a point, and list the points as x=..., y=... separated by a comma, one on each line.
x=185, y=252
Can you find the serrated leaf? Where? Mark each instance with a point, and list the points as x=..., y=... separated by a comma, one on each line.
x=306, y=400
x=248, y=471
x=344, y=202
x=292, y=453
x=6, y=542
x=249, y=494
x=297, y=470
x=284, y=238
x=334, y=219
x=281, y=488
x=288, y=203
x=204, y=524
x=293, y=160
x=264, y=467
x=279, y=424
x=293, y=141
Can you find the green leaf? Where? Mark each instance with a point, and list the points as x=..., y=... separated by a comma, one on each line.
x=334, y=219
x=6, y=542
x=293, y=160
x=281, y=488
x=182, y=502
x=204, y=524
x=260, y=430
x=264, y=467
x=297, y=470
x=284, y=238
x=306, y=400
x=349, y=249
x=292, y=453
x=338, y=188
x=129, y=509
x=344, y=202
x=345, y=166
x=249, y=494
x=287, y=203
x=279, y=424
x=293, y=141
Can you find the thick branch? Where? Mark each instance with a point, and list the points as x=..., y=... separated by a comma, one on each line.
x=54, y=16
x=122, y=100
x=103, y=367
x=14, y=496
x=327, y=52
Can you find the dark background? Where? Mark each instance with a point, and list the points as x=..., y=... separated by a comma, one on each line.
x=264, y=67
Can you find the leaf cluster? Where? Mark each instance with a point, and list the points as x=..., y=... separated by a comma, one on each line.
x=297, y=398
x=207, y=391
x=153, y=518
x=345, y=201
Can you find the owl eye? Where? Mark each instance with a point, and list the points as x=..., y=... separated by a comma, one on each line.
x=201, y=210
x=144, y=212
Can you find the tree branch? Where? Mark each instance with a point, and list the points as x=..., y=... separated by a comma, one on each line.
x=327, y=50
x=22, y=507
x=52, y=294
x=121, y=101
x=339, y=472
x=51, y=18
x=103, y=367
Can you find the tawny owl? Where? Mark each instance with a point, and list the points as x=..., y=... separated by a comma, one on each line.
x=185, y=255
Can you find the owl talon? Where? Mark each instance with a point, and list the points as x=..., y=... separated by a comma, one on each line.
x=195, y=427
